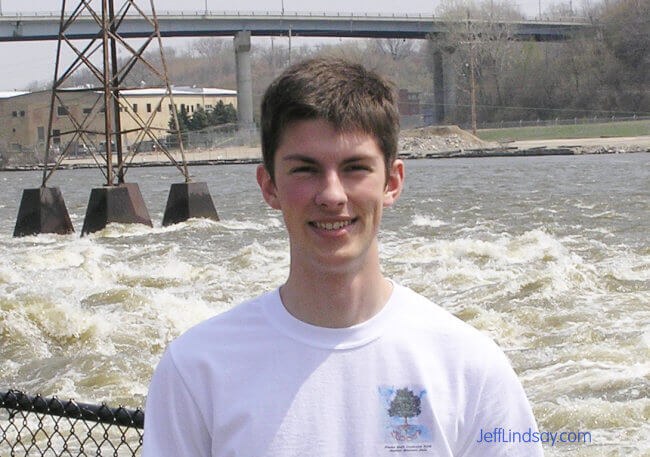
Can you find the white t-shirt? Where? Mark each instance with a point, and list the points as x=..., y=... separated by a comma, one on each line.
x=255, y=381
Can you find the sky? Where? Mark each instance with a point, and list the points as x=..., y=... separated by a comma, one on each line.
x=27, y=62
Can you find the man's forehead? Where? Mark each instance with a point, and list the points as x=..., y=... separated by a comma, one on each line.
x=322, y=125
x=316, y=158
x=320, y=138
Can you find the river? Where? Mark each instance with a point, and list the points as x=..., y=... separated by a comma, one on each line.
x=548, y=255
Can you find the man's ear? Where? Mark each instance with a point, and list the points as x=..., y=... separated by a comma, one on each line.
x=269, y=191
x=395, y=183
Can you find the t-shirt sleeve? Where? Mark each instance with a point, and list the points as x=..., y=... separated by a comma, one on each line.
x=502, y=423
x=173, y=425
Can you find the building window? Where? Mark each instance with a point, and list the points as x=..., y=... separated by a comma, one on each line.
x=56, y=136
x=208, y=106
x=41, y=133
x=14, y=114
x=61, y=111
x=22, y=114
x=135, y=107
x=87, y=110
x=148, y=107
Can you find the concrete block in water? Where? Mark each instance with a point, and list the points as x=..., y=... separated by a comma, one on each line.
x=42, y=210
x=187, y=200
x=122, y=204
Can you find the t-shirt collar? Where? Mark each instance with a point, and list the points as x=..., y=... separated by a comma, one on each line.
x=329, y=338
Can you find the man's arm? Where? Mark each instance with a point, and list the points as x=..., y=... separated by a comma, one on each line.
x=173, y=423
x=503, y=424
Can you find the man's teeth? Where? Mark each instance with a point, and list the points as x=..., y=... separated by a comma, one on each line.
x=332, y=225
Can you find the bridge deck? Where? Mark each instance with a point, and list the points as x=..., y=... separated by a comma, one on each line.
x=45, y=25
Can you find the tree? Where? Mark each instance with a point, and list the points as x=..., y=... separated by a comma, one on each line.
x=222, y=114
x=229, y=114
x=626, y=25
x=483, y=9
x=405, y=404
x=627, y=32
x=397, y=49
x=199, y=120
x=477, y=35
x=183, y=121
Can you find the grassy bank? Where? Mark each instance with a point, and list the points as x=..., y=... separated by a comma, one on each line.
x=611, y=129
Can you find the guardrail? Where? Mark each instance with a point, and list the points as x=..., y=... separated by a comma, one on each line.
x=226, y=13
x=40, y=426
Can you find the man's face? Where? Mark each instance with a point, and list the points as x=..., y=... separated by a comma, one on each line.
x=331, y=188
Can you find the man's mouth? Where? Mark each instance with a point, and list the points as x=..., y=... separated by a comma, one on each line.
x=332, y=225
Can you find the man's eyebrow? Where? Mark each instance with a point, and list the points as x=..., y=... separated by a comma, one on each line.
x=358, y=158
x=300, y=157
x=304, y=158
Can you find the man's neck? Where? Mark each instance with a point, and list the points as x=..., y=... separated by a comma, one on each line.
x=335, y=299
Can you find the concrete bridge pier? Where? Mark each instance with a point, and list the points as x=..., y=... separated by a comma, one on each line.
x=122, y=204
x=42, y=210
x=444, y=86
x=242, y=44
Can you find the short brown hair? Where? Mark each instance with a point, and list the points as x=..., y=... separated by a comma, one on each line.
x=345, y=94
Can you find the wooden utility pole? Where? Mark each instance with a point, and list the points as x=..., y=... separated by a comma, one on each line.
x=472, y=78
x=289, y=45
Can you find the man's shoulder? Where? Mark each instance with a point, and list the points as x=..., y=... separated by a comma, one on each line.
x=226, y=329
x=435, y=327
x=421, y=313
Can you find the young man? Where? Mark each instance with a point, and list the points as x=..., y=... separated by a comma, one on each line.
x=339, y=361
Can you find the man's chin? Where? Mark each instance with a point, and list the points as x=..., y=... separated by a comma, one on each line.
x=340, y=261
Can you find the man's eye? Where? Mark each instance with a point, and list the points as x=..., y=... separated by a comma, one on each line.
x=303, y=169
x=358, y=168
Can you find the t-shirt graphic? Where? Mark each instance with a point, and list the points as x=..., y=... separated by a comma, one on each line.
x=405, y=411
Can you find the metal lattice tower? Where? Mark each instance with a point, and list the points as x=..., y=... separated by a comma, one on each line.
x=43, y=210
x=99, y=56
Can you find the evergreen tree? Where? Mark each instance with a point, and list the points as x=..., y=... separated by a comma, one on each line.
x=222, y=114
x=183, y=121
x=214, y=115
x=405, y=404
x=230, y=114
x=199, y=120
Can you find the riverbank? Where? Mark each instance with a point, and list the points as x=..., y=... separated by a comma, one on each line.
x=451, y=141
x=427, y=143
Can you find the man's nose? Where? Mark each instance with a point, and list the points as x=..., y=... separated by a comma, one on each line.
x=332, y=191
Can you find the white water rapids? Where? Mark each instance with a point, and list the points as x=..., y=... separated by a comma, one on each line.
x=548, y=255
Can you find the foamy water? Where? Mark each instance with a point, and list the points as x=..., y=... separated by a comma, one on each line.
x=548, y=255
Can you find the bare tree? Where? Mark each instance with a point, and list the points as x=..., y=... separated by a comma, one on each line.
x=397, y=49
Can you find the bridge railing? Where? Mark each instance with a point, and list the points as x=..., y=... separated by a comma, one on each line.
x=40, y=426
x=237, y=13
x=273, y=13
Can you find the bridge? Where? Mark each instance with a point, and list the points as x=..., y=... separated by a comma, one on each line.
x=45, y=25
x=243, y=25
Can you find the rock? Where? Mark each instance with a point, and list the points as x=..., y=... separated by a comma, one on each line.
x=439, y=139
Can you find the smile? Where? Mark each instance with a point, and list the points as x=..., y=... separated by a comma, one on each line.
x=332, y=225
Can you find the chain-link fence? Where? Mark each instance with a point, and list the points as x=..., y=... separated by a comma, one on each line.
x=558, y=121
x=40, y=426
x=221, y=136
x=216, y=142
